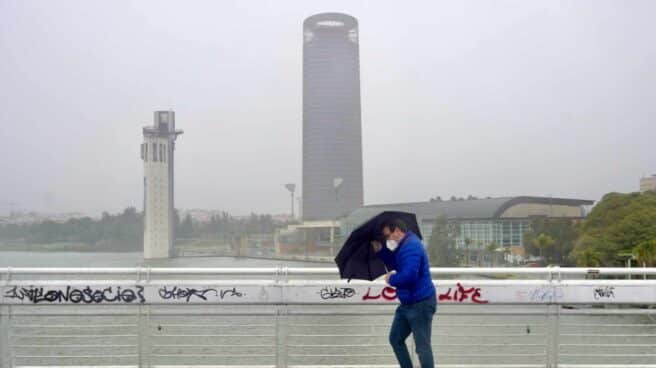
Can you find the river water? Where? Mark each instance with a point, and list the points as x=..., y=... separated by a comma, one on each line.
x=224, y=335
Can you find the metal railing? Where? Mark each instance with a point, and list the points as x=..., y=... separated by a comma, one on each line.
x=307, y=317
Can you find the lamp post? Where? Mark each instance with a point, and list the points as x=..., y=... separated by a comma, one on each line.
x=291, y=188
x=337, y=183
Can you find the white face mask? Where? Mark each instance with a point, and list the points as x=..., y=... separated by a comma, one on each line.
x=392, y=244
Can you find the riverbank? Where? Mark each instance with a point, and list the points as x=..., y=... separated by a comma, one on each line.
x=57, y=247
x=184, y=250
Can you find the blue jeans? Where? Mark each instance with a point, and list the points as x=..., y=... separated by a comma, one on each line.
x=417, y=319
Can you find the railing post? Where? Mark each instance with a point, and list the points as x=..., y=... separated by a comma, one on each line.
x=553, y=330
x=5, y=325
x=553, y=321
x=282, y=319
x=5, y=351
x=144, y=338
x=282, y=333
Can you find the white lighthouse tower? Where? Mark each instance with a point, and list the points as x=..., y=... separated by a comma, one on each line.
x=157, y=155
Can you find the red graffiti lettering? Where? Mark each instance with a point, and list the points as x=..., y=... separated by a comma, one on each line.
x=461, y=294
x=445, y=296
x=367, y=296
x=388, y=293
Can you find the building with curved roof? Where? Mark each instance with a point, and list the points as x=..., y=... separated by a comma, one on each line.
x=479, y=222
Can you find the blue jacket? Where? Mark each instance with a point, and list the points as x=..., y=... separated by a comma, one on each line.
x=412, y=279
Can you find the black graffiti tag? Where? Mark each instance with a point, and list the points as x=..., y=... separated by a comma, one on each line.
x=231, y=293
x=85, y=295
x=184, y=293
x=605, y=292
x=336, y=293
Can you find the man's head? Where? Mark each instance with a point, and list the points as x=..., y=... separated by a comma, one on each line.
x=394, y=229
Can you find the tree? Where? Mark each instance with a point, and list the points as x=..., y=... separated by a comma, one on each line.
x=544, y=243
x=645, y=253
x=617, y=225
x=442, y=250
x=562, y=231
x=468, y=243
x=186, y=227
x=492, y=248
x=588, y=258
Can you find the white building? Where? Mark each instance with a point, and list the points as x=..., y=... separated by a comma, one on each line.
x=157, y=155
x=648, y=183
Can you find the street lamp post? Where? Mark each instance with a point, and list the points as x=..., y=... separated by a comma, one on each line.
x=337, y=183
x=291, y=188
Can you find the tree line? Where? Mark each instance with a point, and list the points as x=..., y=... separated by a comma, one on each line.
x=124, y=231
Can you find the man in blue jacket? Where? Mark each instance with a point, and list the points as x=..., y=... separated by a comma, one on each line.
x=405, y=254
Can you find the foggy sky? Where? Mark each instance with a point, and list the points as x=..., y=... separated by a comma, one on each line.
x=489, y=98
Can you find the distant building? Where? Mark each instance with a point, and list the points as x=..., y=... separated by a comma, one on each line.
x=308, y=235
x=157, y=153
x=479, y=222
x=648, y=183
x=332, y=131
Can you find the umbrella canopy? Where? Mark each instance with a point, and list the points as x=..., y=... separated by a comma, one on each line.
x=357, y=259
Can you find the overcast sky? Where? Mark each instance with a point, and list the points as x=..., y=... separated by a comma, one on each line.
x=489, y=98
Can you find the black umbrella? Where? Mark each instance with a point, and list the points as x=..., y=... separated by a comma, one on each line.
x=357, y=259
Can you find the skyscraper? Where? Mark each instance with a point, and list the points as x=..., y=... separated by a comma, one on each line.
x=157, y=155
x=332, y=129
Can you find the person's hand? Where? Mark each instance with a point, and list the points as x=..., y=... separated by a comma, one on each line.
x=387, y=276
x=375, y=244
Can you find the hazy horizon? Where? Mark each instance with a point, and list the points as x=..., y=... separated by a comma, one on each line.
x=501, y=98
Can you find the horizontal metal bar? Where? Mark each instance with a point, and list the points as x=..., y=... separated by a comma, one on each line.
x=436, y=335
x=608, y=325
x=211, y=346
x=201, y=366
x=435, y=322
x=387, y=345
x=215, y=355
x=205, y=366
x=439, y=366
x=144, y=271
x=608, y=355
x=74, y=336
x=73, y=346
x=321, y=282
x=609, y=345
x=246, y=335
x=478, y=344
x=71, y=326
x=469, y=354
x=368, y=366
x=340, y=355
x=478, y=310
x=607, y=312
x=608, y=335
x=625, y=365
x=73, y=356
x=333, y=335
x=209, y=325
x=337, y=346
x=86, y=366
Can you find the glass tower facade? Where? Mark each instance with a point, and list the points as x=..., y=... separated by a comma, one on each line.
x=332, y=132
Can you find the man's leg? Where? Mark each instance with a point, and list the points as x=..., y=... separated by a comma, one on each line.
x=398, y=333
x=421, y=324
